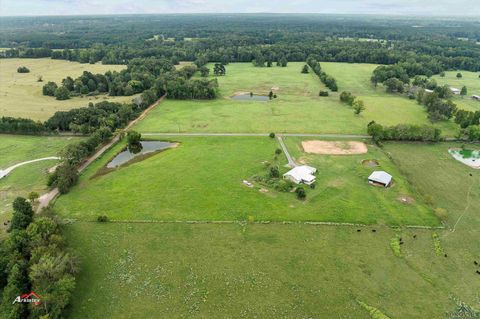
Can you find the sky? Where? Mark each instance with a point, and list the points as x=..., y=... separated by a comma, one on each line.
x=89, y=7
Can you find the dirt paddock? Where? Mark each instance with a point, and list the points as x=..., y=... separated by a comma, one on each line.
x=334, y=148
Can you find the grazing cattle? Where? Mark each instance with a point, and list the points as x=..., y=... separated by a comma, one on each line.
x=478, y=272
x=374, y=230
x=414, y=236
x=359, y=230
x=446, y=255
x=475, y=263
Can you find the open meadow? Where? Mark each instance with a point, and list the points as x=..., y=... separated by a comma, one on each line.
x=297, y=108
x=469, y=79
x=21, y=93
x=30, y=177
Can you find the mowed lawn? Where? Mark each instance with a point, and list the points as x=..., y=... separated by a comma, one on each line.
x=469, y=79
x=21, y=93
x=202, y=180
x=31, y=177
x=297, y=109
x=285, y=271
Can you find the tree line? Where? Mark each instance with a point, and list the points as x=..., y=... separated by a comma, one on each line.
x=141, y=75
x=326, y=79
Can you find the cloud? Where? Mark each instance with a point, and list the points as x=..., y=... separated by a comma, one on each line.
x=407, y=7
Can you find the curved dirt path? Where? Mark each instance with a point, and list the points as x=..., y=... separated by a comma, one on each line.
x=8, y=170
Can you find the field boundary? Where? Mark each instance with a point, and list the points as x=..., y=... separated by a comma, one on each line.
x=242, y=222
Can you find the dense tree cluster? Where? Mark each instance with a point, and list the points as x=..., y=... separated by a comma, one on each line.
x=151, y=76
x=438, y=109
x=34, y=257
x=404, y=132
x=326, y=79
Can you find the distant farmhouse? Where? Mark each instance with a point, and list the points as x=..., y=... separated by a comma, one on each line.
x=380, y=178
x=476, y=97
x=455, y=91
x=301, y=174
x=428, y=91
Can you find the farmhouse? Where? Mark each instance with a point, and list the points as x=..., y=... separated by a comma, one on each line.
x=476, y=97
x=455, y=91
x=301, y=174
x=380, y=177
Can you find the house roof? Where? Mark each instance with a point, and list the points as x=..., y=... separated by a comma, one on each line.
x=455, y=89
x=380, y=177
x=302, y=173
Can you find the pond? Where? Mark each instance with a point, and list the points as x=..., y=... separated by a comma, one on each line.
x=146, y=148
x=248, y=97
x=467, y=157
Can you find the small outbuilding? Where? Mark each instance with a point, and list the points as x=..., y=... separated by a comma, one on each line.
x=476, y=97
x=301, y=174
x=428, y=91
x=380, y=178
x=455, y=91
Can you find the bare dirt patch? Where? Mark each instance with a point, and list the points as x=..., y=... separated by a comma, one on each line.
x=406, y=199
x=334, y=148
x=370, y=163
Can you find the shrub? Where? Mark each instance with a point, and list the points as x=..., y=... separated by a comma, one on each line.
x=23, y=69
x=278, y=151
x=274, y=172
x=301, y=194
x=272, y=135
x=102, y=219
x=323, y=93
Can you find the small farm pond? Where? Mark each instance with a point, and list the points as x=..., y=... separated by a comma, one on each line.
x=249, y=97
x=467, y=157
x=146, y=147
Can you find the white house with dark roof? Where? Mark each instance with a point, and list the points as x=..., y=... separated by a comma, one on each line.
x=301, y=174
x=380, y=177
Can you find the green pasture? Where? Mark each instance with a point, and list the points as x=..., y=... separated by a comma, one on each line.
x=469, y=79
x=297, y=108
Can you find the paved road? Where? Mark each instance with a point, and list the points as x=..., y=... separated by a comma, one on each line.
x=291, y=162
x=7, y=171
x=260, y=134
x=45, y=199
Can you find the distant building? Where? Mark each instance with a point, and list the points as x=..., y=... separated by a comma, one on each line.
x=301, y=174
x=455, y=91
x=476, y=97
x=380, y=177
x=428, y=91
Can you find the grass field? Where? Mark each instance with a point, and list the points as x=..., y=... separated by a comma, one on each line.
x=160, y=188
x=298, y=107
x=469, y=79
x=284, y=271
x=21, y=94
x=31, y=177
